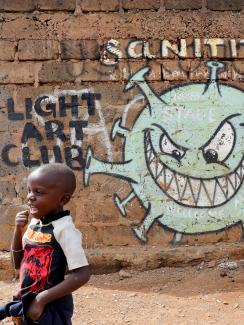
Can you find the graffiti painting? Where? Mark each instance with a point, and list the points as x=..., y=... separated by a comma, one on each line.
x=183, y=157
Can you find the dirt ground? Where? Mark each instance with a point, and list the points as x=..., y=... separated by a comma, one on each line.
x=205, y=294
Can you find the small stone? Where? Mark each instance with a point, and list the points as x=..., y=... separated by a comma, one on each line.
x=123, y=274
x=230, y=265
x=223, y=273
x=211, y=264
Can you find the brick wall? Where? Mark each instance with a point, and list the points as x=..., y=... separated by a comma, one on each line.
x=63, y=68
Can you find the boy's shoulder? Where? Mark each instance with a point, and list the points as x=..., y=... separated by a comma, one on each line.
x=64, y=225
x=65, y=220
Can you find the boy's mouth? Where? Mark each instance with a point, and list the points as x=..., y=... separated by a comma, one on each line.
x=33, y=209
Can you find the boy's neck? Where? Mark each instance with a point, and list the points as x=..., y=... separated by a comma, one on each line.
x=55, y=216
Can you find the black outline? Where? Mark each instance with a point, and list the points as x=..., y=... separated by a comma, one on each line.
x=226, y=120
x=148, y=138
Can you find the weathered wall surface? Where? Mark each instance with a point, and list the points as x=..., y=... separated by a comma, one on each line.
x=143, y=99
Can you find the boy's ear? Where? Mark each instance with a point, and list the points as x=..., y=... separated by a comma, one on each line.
x=65, y=199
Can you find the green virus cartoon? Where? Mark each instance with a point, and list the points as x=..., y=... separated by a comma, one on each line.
x=183, y=157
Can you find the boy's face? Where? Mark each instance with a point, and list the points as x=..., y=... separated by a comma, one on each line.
x=44, y=195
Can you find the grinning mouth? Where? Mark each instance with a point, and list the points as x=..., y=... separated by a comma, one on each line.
x=192, y=191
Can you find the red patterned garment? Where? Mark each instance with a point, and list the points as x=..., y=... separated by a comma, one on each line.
x=49, y=246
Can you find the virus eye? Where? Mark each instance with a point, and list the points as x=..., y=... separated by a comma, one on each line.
x=220, y=146
x=168, y=147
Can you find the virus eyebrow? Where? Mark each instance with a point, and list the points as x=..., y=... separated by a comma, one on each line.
x=241, y=124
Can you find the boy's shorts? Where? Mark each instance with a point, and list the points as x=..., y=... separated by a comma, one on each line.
x=57, y=312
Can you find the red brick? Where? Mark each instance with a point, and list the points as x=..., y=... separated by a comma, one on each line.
x=199, y=72
x=6, y=233
x=118, y=235
x=37, y=50
x=80, y=49
x=240, y=48
x=90, y=236
x=238, y=70
x=225, y=4
x=5, y=93
x=183, y=4
x=122, y=26
x=17, y=73
x=7, y=50
x=7, y=192
x=68, y=5
x=172, y=70
x=17, y=5
x=128, y=68
x=100, y=5
x=77, y=71
x=194, y=48
x=217, y=48
x=139, y=4
x=60, y=71
x=115, y=25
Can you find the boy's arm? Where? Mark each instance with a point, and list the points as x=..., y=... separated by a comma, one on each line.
x=21, y=221
x=74, y=280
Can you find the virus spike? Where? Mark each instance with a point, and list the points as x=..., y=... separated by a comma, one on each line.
x=139, y=79
x=146, y=224
x=120, y=204
x=94, y=166
x=212, y=86
x=118, y=129
x=214, y=67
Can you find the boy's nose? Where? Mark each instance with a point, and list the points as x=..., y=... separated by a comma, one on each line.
x=30, y=196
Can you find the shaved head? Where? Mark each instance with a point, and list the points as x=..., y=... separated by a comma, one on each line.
x=57, y=174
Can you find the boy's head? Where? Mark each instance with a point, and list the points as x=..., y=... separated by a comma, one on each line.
x=50, y=187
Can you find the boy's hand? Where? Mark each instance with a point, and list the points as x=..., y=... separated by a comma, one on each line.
x=21, y=219
x=35, y=309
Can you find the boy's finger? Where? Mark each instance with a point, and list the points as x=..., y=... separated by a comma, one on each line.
x=25, y=212
x=24, y=218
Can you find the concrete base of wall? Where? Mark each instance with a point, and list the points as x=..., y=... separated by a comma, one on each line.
x=113, y=259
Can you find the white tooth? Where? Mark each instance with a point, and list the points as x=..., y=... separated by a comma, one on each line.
x=237, y=178
x=187, y=196
x=219, y=196
x=196, y=188
x=239, y=173
x=231, y=189
x=173, y=188
x=153, y=167
x=181, y=180
x=150, y=156
x=165, y=179
x=168, y=177
x=232, y=182
x=209, y=189
x=222, y=181
x=201, y=196
x=160, y=170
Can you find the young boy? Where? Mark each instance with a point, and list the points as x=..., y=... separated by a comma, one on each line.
x=42, y=252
